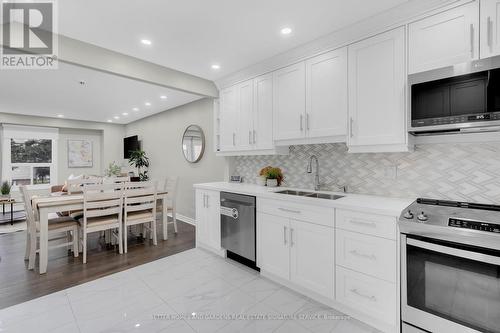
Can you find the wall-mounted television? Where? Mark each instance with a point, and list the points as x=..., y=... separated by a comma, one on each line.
x=130, y=144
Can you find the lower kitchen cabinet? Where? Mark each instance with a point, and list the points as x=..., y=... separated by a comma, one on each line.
x=297, y=251
x=208, y=220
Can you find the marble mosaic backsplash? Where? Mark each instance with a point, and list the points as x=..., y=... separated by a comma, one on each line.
x=461, y=171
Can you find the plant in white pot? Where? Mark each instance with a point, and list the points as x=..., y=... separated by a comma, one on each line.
x=274, y=176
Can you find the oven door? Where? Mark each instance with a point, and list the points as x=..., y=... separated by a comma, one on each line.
x=447, y=287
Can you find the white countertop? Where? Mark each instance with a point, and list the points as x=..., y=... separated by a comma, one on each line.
x=359, y=202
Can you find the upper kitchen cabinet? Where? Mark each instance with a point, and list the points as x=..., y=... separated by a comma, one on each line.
x=326, y=95
x=490, y=28
x=228, y=118
x=262, y=135
x=289, y=102
x=244, y=130
x=377, y=90
x=445, y=39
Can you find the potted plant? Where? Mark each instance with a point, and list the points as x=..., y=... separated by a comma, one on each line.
x=5, y=188
x=139, y=160
x=113, y=170
x=274, y=176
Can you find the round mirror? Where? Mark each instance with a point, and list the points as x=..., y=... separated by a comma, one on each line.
x=193, y=143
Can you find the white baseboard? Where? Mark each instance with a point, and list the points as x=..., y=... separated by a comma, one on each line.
x=184, y=218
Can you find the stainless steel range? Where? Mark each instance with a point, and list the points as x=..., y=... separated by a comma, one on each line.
x=450, y=267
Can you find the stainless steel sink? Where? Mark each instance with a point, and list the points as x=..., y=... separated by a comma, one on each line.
x=311, y=194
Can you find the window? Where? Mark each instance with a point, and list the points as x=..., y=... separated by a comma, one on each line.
x=29, y=155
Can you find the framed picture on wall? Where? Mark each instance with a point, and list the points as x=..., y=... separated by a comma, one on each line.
x=80, y=154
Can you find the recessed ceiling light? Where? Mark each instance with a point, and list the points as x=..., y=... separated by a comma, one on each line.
x=147, y=104
x=146, y=41
x=163, y=97
x=125, y=114
x=215, y=66
x=109, y=121
x=286, y=31
x=116, y=117
x=135, y=109
x=60, y=116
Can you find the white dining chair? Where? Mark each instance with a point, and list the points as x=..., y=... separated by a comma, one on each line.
x=75, y=186
x=117, y=180
x=102, y=211
x=171, y=185
x=66, y=227
x=140, y=209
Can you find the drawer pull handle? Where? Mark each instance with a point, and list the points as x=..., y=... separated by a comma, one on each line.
x=284, y=235
x=366, y=224
x=367, y=256
x=289, y=210
x=370, y=298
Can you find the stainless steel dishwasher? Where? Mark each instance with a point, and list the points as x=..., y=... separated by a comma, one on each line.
x=238, y=227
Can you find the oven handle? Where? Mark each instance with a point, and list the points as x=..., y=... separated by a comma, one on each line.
x=454, y=252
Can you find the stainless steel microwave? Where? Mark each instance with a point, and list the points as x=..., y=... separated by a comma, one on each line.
x=456, y=99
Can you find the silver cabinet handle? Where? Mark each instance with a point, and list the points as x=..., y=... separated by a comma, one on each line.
x=362, y=255
x=489, y=33
x=234, y=139
x=204, y=200
x=254, y=135
x=291, y=237
x=284, y=235
x=307, y=121
x=366, y=224
x=207, y=202
x=472, y=40
x=289, y=210
x=350, y=126
x=301, y=127
x=249, y=137
x=371, y=298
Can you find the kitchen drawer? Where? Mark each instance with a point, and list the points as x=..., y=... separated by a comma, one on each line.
x=371, y=255
x=370, y=224
x=376, y=298
x=310, y=213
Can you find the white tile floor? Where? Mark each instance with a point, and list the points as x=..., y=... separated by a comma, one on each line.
x=161, y=296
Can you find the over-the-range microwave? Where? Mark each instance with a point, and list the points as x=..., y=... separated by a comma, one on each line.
x=457, y=99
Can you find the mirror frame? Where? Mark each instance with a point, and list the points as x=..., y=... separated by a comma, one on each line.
x=202, y=143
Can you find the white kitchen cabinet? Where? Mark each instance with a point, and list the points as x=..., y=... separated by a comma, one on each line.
x=289, y=102
x=326, y=95
x=208, y=233
x=273, y=254
x=296, y=250
x=312, y=257
x=445, y=39
x=228, y=117
x=244, y=130
x=377, y=91
x=262, y=136
x=490, y=28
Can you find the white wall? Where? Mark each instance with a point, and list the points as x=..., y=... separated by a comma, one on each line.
x=161, y=136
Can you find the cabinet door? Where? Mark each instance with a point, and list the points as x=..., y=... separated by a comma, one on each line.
x=326, y=94
x=377, y=90
x=490, y=28
x=289, y=102
x=263, y=112
x=312, y=257
x=213, y=219
x=229, y=104
x=244, y=135
x=201, y=217
x=273, y=252
x=444, y=39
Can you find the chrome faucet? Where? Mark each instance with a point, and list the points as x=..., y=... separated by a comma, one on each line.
x=309, y=170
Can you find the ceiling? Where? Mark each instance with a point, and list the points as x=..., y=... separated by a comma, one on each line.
x=102, y=97
x=191, y=35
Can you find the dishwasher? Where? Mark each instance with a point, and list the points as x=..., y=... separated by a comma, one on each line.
x=238, y=227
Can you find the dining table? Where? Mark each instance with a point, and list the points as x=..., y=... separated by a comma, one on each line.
x=63, y=202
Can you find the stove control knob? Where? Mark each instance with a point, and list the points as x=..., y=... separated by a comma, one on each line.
x=408, y=215
x=422, y=217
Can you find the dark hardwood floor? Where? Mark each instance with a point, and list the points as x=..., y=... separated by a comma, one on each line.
x=18, y=284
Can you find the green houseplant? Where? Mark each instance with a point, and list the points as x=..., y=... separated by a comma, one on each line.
x=273, y=174
x=5, y=188
x=113, y=170
x=139, y=160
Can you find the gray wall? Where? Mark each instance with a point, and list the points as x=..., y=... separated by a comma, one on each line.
x=455, y=171
x=161, y=136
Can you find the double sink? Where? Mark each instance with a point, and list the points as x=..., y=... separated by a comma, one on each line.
x=311, y=194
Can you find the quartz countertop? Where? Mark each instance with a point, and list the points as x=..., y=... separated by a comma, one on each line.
x=359, y=202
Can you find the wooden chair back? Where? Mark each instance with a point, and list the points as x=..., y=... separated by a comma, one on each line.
x=30, y=214
x=102, y=200
x=76, y=185
x=141, y=198
x=171, y=186
x=118, y=180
